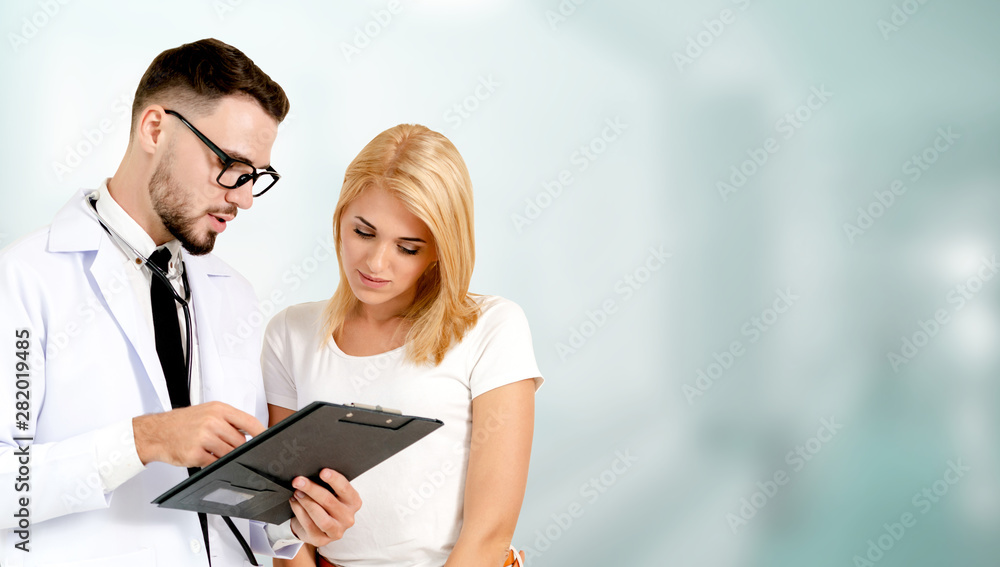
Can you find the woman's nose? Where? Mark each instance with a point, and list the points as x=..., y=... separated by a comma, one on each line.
x=377, y=259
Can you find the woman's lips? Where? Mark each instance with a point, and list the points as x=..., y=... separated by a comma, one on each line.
x=372, y=282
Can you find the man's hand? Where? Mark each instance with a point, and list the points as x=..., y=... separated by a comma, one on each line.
x=322, y=515
x=195, y=436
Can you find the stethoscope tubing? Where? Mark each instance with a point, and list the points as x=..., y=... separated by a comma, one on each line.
x=154, y=269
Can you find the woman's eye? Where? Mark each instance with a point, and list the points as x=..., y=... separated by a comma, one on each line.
x=406, y=250
x=362, y=234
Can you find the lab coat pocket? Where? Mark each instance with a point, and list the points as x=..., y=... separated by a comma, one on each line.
x=241, y=383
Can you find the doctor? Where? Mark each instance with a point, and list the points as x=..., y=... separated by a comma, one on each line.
x=114, y=317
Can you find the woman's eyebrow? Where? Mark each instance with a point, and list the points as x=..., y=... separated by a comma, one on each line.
x=406, y=238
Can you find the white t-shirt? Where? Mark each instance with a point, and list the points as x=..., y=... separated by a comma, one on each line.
x=411, y=511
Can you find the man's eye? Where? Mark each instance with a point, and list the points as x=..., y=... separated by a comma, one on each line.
x=362, y=234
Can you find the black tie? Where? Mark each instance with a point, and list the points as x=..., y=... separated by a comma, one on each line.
x=168, y=333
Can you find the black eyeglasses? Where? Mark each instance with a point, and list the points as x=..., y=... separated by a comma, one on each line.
x=235, y=173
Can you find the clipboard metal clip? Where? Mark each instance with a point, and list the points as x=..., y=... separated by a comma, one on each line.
x=376, y=408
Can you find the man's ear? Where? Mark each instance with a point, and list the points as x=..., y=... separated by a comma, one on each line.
x=149, y=129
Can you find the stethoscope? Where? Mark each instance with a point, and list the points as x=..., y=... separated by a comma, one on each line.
x=156, y=271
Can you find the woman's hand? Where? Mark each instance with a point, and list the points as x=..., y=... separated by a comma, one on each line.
x=323, y=515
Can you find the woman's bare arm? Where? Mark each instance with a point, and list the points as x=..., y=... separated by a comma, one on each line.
x=503, y=422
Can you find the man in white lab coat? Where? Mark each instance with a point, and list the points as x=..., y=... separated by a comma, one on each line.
x=112, y=390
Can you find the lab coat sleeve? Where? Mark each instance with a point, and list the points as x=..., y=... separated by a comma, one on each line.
x=117, y=458
x=274, y=540
x=45, y=479
x=50, y=479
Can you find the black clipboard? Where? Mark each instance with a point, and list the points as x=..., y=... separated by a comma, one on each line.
x=254, y=480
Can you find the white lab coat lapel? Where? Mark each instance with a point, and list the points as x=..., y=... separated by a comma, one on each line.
x=229, y=370
x=206, y=304
x=108, y=271
x=75, y=229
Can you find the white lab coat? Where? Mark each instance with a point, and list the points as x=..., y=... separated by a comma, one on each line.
x=93, y=364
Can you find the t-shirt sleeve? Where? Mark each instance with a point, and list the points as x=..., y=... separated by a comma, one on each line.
x=501, y=350
x=279, y=386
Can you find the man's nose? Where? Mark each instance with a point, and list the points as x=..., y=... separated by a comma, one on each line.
x=241, y=196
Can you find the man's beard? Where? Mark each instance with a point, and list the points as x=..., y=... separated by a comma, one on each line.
x=168, y=202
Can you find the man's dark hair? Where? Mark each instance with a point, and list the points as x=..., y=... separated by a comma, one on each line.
x=196, y=75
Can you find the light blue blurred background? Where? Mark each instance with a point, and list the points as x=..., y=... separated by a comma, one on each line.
x=691, y=90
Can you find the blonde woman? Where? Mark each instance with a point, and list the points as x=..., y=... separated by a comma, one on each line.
x=403, y=331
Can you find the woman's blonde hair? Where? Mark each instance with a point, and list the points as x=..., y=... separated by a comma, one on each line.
x=424, y=170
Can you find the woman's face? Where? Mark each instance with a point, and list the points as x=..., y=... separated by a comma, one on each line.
x=385, y=249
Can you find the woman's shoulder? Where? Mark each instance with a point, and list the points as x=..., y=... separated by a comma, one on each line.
x=297, y=318
x=495, y=310
x=493, y=303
